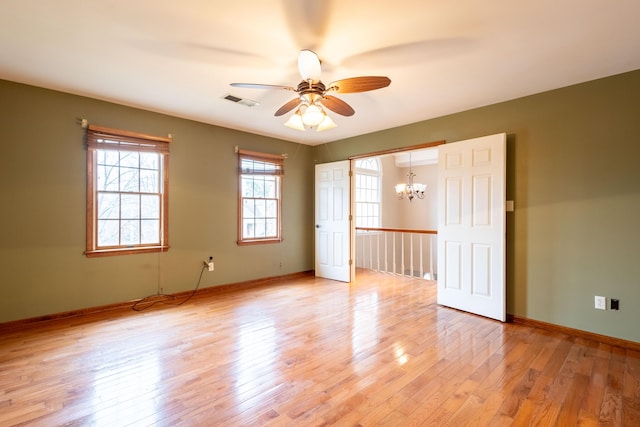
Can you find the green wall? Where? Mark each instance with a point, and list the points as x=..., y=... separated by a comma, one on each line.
x=573, y=171
x=43, y=192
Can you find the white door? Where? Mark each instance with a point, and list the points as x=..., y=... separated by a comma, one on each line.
x=471, y=226
x=333, y=228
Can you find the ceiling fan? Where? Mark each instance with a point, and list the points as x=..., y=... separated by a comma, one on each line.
x=313, y=94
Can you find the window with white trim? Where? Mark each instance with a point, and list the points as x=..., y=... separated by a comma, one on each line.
x=368, y=198
x=259, y=197
x=127, y=187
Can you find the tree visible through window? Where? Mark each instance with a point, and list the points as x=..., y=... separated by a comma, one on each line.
x=126, y=194
x=260, y=197
x=368, y=198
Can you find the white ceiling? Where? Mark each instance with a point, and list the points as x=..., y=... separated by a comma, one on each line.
x=419, y=157
x=178, y=57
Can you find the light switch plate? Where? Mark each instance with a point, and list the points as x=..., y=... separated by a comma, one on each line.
x=509, y=206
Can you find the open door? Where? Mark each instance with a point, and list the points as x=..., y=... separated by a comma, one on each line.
x=471, y=226
x=333, y=225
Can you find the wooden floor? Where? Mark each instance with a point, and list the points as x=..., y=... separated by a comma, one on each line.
x=379, y=351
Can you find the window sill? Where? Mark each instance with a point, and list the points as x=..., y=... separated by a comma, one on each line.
x=125, y=251
x=258, y=242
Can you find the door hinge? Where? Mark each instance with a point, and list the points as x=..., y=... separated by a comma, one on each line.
x=350, y=217
x=350, y=261
x=350, y=173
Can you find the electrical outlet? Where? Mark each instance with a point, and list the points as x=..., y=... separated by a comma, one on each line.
x=615, y=304
x=601, y=303
x=210, y=264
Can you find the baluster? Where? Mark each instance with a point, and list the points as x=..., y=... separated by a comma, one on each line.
x=378, y=250
x=421, y=256
x=411, y=254
x=365, y=249
x=386, y=259
x=432, y=277
x=402, y=253
x=394, y=252
x=370, y=255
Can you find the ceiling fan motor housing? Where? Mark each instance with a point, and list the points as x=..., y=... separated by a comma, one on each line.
x=306, y=87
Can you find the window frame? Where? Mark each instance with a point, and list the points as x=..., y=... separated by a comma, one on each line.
x=372, y=173
x=133, y=142
x=278, y=172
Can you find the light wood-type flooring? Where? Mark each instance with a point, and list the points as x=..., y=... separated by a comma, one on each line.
x=309, y=352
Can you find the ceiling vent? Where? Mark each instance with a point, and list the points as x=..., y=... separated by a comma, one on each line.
x=243, y=101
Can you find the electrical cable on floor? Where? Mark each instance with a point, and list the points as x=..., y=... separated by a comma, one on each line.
x=145, y=300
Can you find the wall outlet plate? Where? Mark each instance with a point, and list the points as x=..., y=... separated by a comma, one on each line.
x=615, y=304
x=601, y=303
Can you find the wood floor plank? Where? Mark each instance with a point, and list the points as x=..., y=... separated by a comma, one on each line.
x=309, y=352
x=631, y=389
x=592, y=399
x=573, y=401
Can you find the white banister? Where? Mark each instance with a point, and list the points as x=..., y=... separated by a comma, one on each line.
x=374, y=251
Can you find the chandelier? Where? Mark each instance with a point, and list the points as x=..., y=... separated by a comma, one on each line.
x=411, y=189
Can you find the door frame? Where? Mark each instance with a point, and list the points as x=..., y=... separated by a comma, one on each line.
x=411, y=148
x=353, y=158
x=398, y=150
x=352, y=202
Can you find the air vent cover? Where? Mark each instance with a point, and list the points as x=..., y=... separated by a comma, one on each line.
x=243, y=101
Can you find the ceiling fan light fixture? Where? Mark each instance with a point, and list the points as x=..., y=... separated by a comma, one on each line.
x=295, y=121
x=326, y=124
x=313, y=115
x=313, y=95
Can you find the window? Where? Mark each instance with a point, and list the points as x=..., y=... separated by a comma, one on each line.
x=127, y=187
x=260, y=197
x=368, y=193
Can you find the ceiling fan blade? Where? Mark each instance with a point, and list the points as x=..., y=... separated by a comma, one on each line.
x=261, y=86
x=288, y=107
x=309, y=65
x=359, y=84
x=337, y=105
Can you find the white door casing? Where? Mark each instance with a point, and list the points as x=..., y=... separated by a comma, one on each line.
x=471, y=226
x=333, y=225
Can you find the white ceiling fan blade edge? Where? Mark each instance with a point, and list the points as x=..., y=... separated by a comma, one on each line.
x=309, y=65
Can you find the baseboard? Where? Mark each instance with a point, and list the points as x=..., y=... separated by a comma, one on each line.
x=617, y=342
x=249, y=284
x=220, y=289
